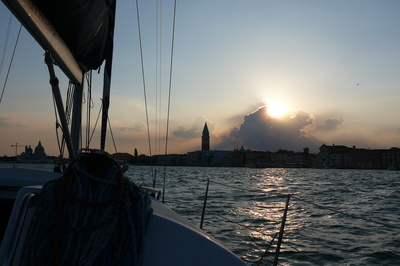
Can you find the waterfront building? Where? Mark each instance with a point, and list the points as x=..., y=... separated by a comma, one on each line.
x=258, y=159
x=391, y=158
x=339, y=156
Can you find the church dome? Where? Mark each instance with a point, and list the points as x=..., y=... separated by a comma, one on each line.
x=28, y=150
x=39, y=150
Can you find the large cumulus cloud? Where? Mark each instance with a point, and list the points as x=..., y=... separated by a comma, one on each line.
x=261, y=132
x=331, y=124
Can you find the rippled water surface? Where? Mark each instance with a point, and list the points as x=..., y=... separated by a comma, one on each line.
x=335, y=217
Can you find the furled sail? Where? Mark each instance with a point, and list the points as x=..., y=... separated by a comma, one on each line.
x=76, y=32
x=84, y=26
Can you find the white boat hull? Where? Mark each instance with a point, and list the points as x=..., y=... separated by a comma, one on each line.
x=170, y=238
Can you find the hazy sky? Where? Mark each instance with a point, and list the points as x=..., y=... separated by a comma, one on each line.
x=263, y=74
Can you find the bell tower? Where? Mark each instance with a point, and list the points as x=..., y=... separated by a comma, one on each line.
x=205, y=139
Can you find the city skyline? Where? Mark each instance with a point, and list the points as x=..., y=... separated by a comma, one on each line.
x=22, y=149
x=266, y=75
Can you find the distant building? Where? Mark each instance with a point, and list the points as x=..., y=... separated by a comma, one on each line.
x=282, y=158
x=39, y=155
x=172, y=159
x=303, y=159
x=258, y=159
x=39, y=150
x=205, y=139
x=199, y=158
x=28, y=151
x=391, y=158
x=121, y=156
x=339, y=156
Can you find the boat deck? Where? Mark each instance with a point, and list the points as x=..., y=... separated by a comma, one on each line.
x=170, y=238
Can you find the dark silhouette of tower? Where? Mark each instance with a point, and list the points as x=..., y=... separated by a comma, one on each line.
x=205, y=139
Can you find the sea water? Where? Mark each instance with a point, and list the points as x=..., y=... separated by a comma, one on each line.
x=334, y=217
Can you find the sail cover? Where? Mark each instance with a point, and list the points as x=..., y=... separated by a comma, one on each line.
x=84, y=26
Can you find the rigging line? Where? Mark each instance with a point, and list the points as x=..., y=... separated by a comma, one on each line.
x=230, y=186
x=57, y=126
x=5, y=44
x=170, y=79
x=248, y=190
x=245, y=226
x=268, y=222
x=89, y=105
x=69, y=101
x=112, y=135
x=87, y=110
x=160, y=80
x=312, y=239
x=95, y=125
x=348, y=214
x=157, y=67
x=11, y=61
x=303, y=254
x=143, y=77
x=160, y=89
x=169, y=93
x=61, y=146
x=156, y=80
x=266, y=250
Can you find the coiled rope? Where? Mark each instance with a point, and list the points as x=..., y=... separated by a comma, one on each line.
x=93, y=215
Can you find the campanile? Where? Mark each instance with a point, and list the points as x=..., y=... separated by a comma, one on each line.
x=205, y=139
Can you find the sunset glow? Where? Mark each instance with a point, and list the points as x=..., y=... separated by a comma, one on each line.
x=275, y=109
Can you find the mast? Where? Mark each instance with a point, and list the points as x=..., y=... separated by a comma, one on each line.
x=60, y=107
x=107, y=77
x=76, y=121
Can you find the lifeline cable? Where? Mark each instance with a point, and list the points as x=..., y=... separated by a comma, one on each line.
x=5, y=44
x=11, y=61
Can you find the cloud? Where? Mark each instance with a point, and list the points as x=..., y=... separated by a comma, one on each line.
x=6, y=122
x=196, y=130
x=181, y=132
x=330, y=124
x=137, y=127
x=261, y=132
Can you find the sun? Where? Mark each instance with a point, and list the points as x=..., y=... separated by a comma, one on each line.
x=275, y=109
